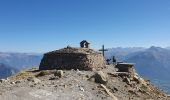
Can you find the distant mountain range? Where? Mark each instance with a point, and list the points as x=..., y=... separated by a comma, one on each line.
x=152, y=63
x=121, y=53
x=20, y=60
x=17, y=62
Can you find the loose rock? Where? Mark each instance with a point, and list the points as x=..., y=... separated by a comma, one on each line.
x=33, y=79
x=17, y=82
x=82, y=89
x=12, y=82
x=127, y=80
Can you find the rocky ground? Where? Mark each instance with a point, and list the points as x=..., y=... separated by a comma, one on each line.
x=107, y=84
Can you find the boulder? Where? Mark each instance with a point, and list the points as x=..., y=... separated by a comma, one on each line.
x=100, y=77
x=59, y=73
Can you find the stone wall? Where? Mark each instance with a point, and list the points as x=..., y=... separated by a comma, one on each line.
x=81, y=61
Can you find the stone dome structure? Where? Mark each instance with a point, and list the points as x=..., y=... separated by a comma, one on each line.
x=73, y=58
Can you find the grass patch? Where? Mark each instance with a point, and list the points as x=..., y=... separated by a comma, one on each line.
x=19, y=76
x=43, y=73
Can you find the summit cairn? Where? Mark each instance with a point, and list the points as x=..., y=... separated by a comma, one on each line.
x=73, y=58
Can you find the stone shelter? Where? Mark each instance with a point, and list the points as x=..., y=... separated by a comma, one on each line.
x=73, y=58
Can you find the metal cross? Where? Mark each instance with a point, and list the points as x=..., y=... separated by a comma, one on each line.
x=103, y=50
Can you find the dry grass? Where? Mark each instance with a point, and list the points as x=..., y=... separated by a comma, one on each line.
x=21, y=75
x=43, y=73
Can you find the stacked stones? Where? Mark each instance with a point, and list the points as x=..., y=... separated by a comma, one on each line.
x=73, y=58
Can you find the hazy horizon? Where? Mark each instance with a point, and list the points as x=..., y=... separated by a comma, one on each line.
x=78, y=46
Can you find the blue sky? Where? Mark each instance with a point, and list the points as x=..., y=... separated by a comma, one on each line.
x=44, y=25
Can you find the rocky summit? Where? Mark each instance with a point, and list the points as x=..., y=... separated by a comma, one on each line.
x=78, y=74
